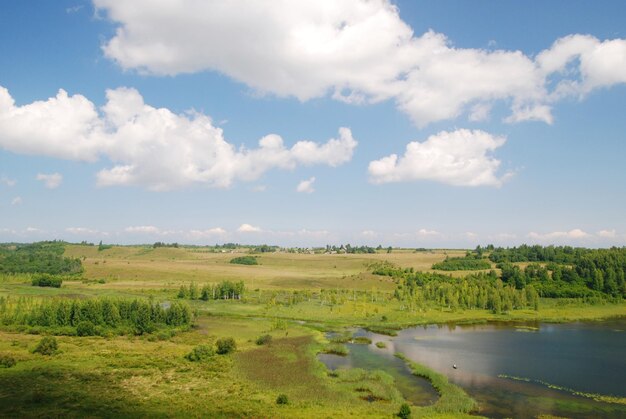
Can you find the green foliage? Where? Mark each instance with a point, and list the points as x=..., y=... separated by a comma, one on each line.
x=336, y=349
x=7, y=361
x=226, y=346
x=282, y=399
x=42, y=257
x=200, y=353
x=381, y=344
x=93, y=316
x=452, y=399
x=161, y=244
x=363, y=340
x=85, y=328
x=47, y=280
x=244, y=260
x=47, y=346
x=264, y=340
x=102, y=247
x=225, y=290
x=405, y=411
x=467, y=263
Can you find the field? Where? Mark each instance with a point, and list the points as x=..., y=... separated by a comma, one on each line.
x=286, y=298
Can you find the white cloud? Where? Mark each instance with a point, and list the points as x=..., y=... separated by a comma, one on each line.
x=81, y=231
x=460, y=158
x=575, y=234
x=428, y=233
x=7, y=181
x=211, y=232
x=51, y=181
x=33, y=230
x=247, y=228
x=16, y=201
x=357, y=51
x=151, y=147
x=369, y=234
x=607, y=234
x=74, y=9
x=143, y=229
x=306, y=186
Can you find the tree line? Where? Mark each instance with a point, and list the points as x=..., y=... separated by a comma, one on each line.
x=566, y=271
x=41, y=257
x=225, y=290
x=95, y=315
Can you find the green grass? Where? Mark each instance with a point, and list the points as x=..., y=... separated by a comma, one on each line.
x=452, y=398
x=148, y=376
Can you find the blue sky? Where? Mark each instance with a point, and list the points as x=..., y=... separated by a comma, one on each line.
x=412, y=123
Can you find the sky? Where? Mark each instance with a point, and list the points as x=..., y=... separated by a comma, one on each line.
x=306, y=123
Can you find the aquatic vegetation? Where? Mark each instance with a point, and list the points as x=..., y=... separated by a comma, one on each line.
x=452, y=398
x=381, y=345
x=363, y=340
x=595, y=396
x=335, y=349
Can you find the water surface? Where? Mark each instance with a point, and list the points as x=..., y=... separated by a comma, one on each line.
x=588, y=357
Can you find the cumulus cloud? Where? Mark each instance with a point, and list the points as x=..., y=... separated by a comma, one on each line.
x=51, y=181
x=428, y=233
x=369, y=234
x=607, y=234
x=357, y=51
x=306, y=186
x=575, y=234
x=6, y=181
x=460, y=158
x=81, y=231
x=143, y=229
x=16, y=201
x=247, y=228
x=208, y=233
x=151, y=147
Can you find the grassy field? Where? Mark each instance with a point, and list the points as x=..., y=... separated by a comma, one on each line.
x=149, y=376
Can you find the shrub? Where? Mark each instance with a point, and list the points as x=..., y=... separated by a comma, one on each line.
x=200, y=353
x=405, y=411
x=336, y=349
x=244, y=260
x=47, y=280
x=6, y=361
x=226, y=346
x=282, y=399
x=264, y=340
x=86, y=328
x=47, y=346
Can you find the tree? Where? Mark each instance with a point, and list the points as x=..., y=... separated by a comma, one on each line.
x=47, y=346
x=405, y=411
x=225, y=346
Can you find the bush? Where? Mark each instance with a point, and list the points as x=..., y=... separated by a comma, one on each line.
x=282, y=399
x=7, y=361
x=244, y=260
x=200, y=353
x=47, y=280
x=47, y=346
x=86, y=328
x=264, y=340
x=405, y=411
x=226, y=346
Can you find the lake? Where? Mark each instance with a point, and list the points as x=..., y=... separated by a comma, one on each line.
x=510, y=369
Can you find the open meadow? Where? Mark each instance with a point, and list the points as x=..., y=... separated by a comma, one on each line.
x=279, y=324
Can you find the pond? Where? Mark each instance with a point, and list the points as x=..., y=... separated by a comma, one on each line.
x=511, y=370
